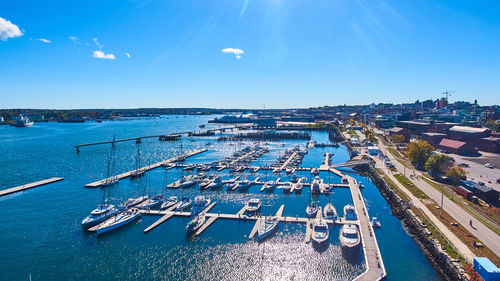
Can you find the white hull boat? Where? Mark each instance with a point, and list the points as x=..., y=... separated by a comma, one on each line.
x=118, y=220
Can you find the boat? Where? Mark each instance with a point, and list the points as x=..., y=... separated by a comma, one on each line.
x=123, y=218
x=320, y=231
x=312, y=209
x=267, y=227
x=231, y=185
x=131, y=202
x=349, y=236
x=195, y=223
x=350, y=212
x=205, y=183
x=216, y=183
x=311, y=144
x=185, y=203
x=187, y=182
x=298, y=187
x=110, y=180
x=22, y=120
x=361, y=185
x=200, y=203
x=375, y=222
x=189, y=167
x=287, y=187
x=98, y=215
x=288, y=170
x=315, y=188
x=153, y=202
x=138, y=172
x=315, y=171
x=294, y=178
x=253, y=205
x=171, y=201
x=244, y=184
x=329, y=212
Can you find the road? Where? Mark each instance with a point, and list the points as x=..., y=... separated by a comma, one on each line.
x=483, y=233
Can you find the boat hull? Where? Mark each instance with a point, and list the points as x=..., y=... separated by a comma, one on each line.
x=117, y=225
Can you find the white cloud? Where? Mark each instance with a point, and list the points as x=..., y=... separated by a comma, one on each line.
x=44, y=40
x=236, y=52
x=101, y=55
x=96, y=41
x=128, y=55
x=8, y=30
x=73, y=38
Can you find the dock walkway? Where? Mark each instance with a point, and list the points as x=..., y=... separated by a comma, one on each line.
x=28, y=186
x=146, y=168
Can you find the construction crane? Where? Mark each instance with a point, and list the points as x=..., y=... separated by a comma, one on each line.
x=447, y=93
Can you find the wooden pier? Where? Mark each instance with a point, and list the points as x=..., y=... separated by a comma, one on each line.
x=146, y=168
x=28, y=186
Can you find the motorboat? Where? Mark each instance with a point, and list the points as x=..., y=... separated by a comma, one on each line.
x=189, y=167
x=329, y=212
x=375, y=222
x=350, y=212
x=287, y=187
x=187, y=182
x=267, y=227
x=244, y=184
x=216, y=183
x=294, y=178
x=253, y=205
x=205, y=183
x=288, y=170
x=132, y=202
x=312, y=209
x=153, y=202
x=22, y=120
x=123, y=218
x=171, y=201
x=361, y=185
x=98, y=215
x=315, y=171
x=349, y=236
x=320, y=231
x=298, y=187
x=195, y=223
x=315, y=188
x=185, y=203
x=200, y=203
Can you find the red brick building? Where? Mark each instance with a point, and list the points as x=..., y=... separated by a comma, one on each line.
x=457, y=147
x=400, y=131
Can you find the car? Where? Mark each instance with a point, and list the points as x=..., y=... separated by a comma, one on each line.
x=498, y=180
x=463, y=165
x=488, y=165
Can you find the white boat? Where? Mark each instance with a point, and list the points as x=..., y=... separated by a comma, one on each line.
x=299, y=186
x=205, y=183
x=375, y=222
x=195, y=223
x=23, y=120
x=269, y=185
x=315, y=188
x=320, y=231
x=361, y=185
x=131, y=202
x=311, y=144
x=349, y=236
x=187, y=182
x=329, y=212
x=253, y=205
x=312, y=209
x=350, y=212
x=189, y=167
x=267, y=227
x=171, y=201
x=288, y=170
x=315, y=171
x=98, y=215
x=200, y=203
x=216, y=183
x=244, y=184
x=184, y=204
x=153, y=202
x=118, y=220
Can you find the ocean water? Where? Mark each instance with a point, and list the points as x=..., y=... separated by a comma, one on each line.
x=40, y=229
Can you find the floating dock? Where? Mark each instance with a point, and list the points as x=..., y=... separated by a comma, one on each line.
x=28, y=186
x=146, y=168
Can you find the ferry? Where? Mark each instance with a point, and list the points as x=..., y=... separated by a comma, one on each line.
x=320, y=231
x=267, y=227
x=349, y=236
x=98, y=215
x=171, y=201
x=350, y=212
x=23, y=120
x=119, y=220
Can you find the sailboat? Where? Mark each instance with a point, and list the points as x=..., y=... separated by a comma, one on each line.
x=139, y=171
x=110, y=180
x=171, y=201
x=267, y=227
x=119, y=220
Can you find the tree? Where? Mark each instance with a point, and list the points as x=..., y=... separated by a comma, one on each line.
x=437, y=164
x=493, y=125
x=397, y=139
x=419, y=151
x=456, y=174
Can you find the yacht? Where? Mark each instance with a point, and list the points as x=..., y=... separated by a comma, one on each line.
x=195, y=223
x=153, y=202
x=171, y=201
x=267, y=227
x=98, y=215
x=253, y=205
x=315, y=188
x=200, y=203
x=350, y=212
x=375, y=222
x=319, y=231
x=23, y=120
x=216, y=183
x=185, y=203
x=131, y=202
x=329, y=212
x=349, y=236
x=312, y=209
x=119, y=220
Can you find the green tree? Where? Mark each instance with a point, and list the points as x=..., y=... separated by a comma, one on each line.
x=493, y=125
x=456, y=174
x=437, y=164
x=418, y=152
x=397, y=139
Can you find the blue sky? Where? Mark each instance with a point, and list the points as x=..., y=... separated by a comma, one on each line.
x=278, y=53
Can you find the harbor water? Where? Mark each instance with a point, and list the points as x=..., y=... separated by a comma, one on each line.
x=41, y=235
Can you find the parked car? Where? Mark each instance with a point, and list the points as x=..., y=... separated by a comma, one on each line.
x=463, y=165
x=488, y=165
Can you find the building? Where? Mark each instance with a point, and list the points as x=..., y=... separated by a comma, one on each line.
x=381, y=121
x=400, y=131
x=489, y=144
x=465, y=133
x=486, y=269
x=373, y=150
x=457, y=147
x=433, y=138
x=488, y=194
